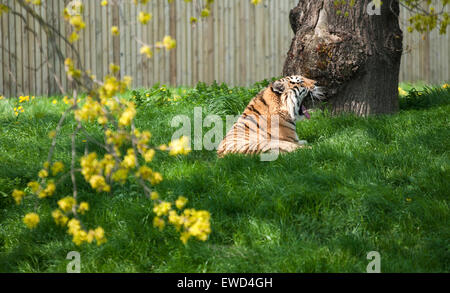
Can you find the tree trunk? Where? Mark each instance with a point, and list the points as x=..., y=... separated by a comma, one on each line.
x=356, y=56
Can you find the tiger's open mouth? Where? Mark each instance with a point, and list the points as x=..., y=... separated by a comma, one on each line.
x=305, y=112
x=316, y=94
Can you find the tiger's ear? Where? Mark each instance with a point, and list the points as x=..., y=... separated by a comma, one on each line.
x=278, y=87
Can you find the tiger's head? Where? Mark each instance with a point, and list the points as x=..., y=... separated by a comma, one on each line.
x=294, y=92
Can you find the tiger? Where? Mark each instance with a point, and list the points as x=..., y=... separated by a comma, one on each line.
x=268, y=123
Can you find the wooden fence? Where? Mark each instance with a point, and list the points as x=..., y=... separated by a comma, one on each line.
x=239, y=44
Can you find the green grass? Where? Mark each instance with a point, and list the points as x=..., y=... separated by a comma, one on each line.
x=318, y=210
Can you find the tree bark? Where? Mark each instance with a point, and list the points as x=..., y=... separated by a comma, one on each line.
x=356, y=56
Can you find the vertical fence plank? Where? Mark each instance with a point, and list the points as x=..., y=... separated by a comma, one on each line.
x=237, y=42
x=91, y=36
x=59, y=64
x=31, y=65
x=13, y=52
x=18, y=52
x=153, y=40
x=189, y=29
x=200, y=49
x=3, y=60
x=98, y=41
x=210, y=63
x=161, y=33
x=182, y=48
x=173, y=53
x=45, y=56
x=23, y=56
x=218, y=47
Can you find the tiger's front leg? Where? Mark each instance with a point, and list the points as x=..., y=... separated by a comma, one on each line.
x=281, y=146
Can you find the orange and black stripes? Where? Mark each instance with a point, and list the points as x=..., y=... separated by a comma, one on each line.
x=268, y=122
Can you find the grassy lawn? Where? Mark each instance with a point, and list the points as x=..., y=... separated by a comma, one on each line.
x=368, y=184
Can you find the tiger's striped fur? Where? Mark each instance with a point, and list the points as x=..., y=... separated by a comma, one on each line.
x=269, y=121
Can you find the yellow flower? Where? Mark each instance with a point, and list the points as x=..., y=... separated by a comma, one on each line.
x=83, y=208
x=196, y=224
x=102, y=120
x=175, y=219
x=115, y=31
x=31, y=220
x=3, y=9
x=77, y=22
x=181, y=202
x=127, y=80
x=162, y=209
x=144, y=172
x=73, y=226
x=107, y=164
x=24, y=99
x=255, y=2
x=145, y=50
x=179, y=146
x=144, y=17
x=43, y=173
x=34, y=186
x=114, y=68
x=158, y=223
x=205, y=12
x=111, y=86
x=129, y=161
x=99, y=235
x=60, y=218
x=74, y=37
x=120, y=175
x=48, y=191
x=128, y=115
x=79, y=237
x=148, y=156
x=169, y=43
x=154, y=195
x=90, y=236
x=185, y=237
x=402, y=92
x=89, y=111
x=156, y=178
x=445, y=86
x=57, y=168
x=18, y=195
x=143, y=2
x=104, y=3
x=70, y=69
x=52, y=134
x=99, y=184
x=66, y=203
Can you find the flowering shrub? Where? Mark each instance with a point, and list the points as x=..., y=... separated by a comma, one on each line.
x=422, y=98
x=127, y=150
